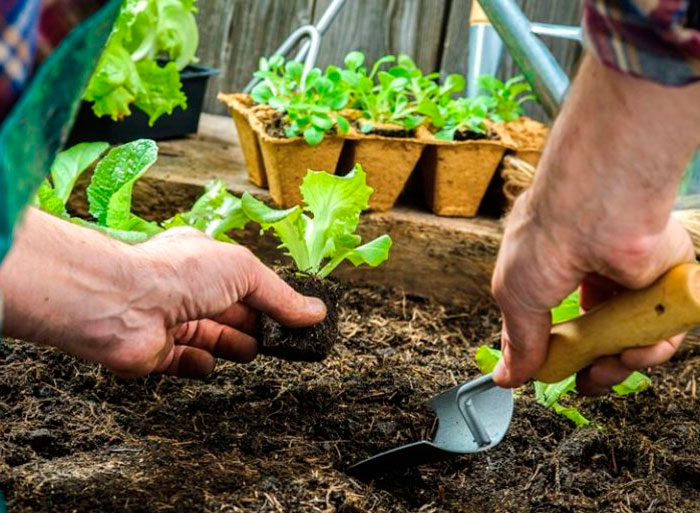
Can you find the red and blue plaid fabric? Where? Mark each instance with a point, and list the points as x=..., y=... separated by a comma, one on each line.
x=19, y=21
x=29, y=31
x=654, y=39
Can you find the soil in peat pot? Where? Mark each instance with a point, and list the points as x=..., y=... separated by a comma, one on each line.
x=277, y=436
x=310, y=344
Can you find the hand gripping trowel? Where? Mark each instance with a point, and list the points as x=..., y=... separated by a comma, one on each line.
x=475, y=416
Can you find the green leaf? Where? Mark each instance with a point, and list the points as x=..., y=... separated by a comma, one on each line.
x=372, y=253
x=313, y=136
x=177, y=33
x=130, y=237
x=109, y=192
x=343, y=124
x=215, y=212
x=163, y=90
x=71, y=163
x=115, y=83
x=354, y=60
x=567, y=309
x=289, y=227
x=633, y=384
x=487, y=358
x=547, y=394
x=571, y=413
x=431, y=109
x=48, y=201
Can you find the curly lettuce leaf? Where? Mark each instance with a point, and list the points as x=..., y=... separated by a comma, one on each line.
x=163, y=90
x=128, y=236
x=215, y=212
x=127, y=72
x=111, y=186
x=319, y=242
x=115, y=84
x=177, y=33
x=633, y=384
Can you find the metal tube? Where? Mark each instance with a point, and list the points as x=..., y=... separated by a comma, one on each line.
x=571, y=32
x=485, y=52
x=530, y=54
x=314, y=44
x=322, y=25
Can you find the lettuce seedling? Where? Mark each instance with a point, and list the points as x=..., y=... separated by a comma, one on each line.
x=216, y=212
x=319, y=242
x=549, y=395
x=508, y=97
x=457, y=116
x=309, y=105
x=128, y=71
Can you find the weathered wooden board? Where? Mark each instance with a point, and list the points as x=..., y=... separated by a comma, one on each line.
x=380, y=27
x=444, y=258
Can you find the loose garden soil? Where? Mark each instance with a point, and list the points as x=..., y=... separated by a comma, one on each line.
x=276, y=436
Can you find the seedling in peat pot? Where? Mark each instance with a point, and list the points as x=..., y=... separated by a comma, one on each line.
x=508, y=96
x=317, y=244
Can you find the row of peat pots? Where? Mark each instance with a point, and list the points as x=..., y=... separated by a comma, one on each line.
x=455, y=175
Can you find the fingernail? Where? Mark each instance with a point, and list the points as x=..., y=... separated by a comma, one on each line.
x=500, y=372
x=316, y=307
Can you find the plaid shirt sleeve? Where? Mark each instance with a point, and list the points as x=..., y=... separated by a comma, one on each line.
x=29, y=31
x=18, y=37
x=654, y=39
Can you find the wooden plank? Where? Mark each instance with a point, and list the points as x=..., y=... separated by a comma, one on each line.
x=455, y=47
x=235, y=33
x=380, y=27
x=448, y=259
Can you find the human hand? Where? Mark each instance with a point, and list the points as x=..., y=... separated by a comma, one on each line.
x=598, y=215
x=171, y=305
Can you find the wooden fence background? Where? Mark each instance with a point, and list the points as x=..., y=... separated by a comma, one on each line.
x=234, y=33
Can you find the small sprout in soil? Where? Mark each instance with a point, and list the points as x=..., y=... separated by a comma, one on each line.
x=317, y=244
x=509, y=96
x=550, y=395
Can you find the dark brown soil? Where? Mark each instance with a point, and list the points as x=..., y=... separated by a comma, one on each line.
x=276, y=436
x=310, y=344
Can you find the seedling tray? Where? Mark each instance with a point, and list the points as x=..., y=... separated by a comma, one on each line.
x=89, y=127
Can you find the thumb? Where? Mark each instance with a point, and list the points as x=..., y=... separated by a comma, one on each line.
x=270, y=294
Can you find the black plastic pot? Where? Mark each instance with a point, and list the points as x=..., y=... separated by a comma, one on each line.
x=89, y=127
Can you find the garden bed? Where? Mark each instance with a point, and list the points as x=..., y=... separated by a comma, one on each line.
x=277, y=436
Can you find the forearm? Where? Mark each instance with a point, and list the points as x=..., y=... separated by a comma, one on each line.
x=53, y=267
x=615, y=156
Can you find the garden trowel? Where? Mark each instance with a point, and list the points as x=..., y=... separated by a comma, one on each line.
x=475, y=415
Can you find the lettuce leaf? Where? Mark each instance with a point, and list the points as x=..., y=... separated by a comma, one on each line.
x=48, y=201
x=163, y=89
x=109, y=192
x=128, y=73
x=215, y=212
x=633, y=384
x=319, y=242
x=71, y=163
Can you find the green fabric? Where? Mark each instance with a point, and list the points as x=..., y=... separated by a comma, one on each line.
x=37, y=127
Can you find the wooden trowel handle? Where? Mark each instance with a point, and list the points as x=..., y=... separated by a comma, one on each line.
x=632, y=319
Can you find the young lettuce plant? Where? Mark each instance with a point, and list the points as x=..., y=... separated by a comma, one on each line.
x=319, y=242
x=460, y=116
x=508, y=97
x=318, y=238
x=550, y=395
x=215, y=213
x=309, y=105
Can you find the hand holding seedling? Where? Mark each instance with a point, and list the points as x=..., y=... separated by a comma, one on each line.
x=598, y=215
x=172, y=304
